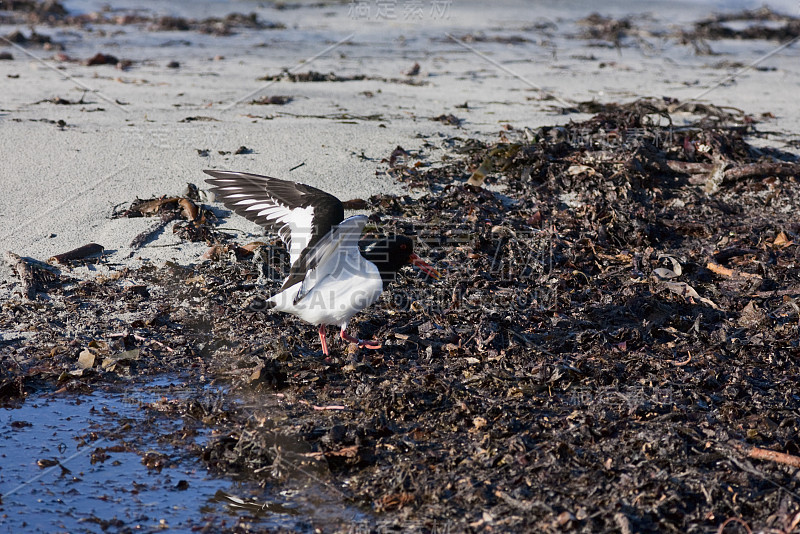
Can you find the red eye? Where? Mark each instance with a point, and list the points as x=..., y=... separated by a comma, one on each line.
x=403, y=247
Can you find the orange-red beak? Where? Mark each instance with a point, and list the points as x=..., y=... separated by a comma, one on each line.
x=416, y=261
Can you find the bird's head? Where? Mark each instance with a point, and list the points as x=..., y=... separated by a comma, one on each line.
x=391, y=253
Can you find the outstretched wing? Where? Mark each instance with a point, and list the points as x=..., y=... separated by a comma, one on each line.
x=301, y=214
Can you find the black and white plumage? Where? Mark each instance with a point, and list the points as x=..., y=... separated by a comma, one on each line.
x=330, y=279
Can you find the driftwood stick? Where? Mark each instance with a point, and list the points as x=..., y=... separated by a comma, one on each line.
x=777, y=292
x=730, y=273
x=79, y=253
x=25, y=273
x=758, y=453
x=757, y=170
x=774, y=456
x=740, y=172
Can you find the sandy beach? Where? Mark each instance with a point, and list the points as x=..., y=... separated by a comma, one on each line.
x=102, y=105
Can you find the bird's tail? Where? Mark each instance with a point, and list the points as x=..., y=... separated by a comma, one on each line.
x=260, y=304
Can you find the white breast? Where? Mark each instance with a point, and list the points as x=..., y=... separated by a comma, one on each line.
x=342, y=286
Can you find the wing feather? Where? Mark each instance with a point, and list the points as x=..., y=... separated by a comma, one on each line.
x=301, y=215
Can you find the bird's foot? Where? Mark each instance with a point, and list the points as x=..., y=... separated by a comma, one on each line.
x=322, y=339
x=364, y=343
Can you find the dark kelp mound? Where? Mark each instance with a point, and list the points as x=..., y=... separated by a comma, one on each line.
x=613, y=346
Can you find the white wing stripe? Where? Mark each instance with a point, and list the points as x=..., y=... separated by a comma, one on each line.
x=295, y=226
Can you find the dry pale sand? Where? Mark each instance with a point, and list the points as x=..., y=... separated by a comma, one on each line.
x=130, y=137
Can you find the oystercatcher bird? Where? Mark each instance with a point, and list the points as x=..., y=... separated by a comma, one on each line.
x=331, y=277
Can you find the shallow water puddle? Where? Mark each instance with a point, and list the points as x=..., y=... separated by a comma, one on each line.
x=100, y=462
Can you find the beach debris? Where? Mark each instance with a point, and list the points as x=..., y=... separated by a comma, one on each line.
x=139, y=290
x=216, y=252
x=199, y=118
x=150, y=207
x=598, y=27
x=413, y=71
x=192, y=192
x=761, y=23
x=730, y=273
x=219, y=250
x=86, y=359
x=758, y=453
x=125, y=358
x=448, y=118
x=80, y=253
x=11, y=387
x=219, y=26
x=685, y=290
x=481, y=37
x=195, y=222
x=355, y=204
x=169, y=208
x=34, y=276
x=173, y=65
x=478, y=176
x=398, y=156
x=499, y=158
x=62, y=101
x=313, y=76
x=761, y=170
x=92, y=353
x=274, y=100
x=155, y=461
x=17, y=37
x=53, y=13
x=6, y=56
x=101, y=59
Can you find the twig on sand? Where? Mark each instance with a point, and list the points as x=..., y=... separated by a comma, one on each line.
x=79, y=253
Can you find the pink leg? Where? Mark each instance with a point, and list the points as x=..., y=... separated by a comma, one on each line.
x=370, y=344
x=322, y=339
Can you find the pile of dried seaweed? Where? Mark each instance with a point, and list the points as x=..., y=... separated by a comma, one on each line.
x=613, y=346
x=756, y=24
x=761, y=23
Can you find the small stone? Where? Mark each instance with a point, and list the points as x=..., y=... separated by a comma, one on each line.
x=85, y=359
